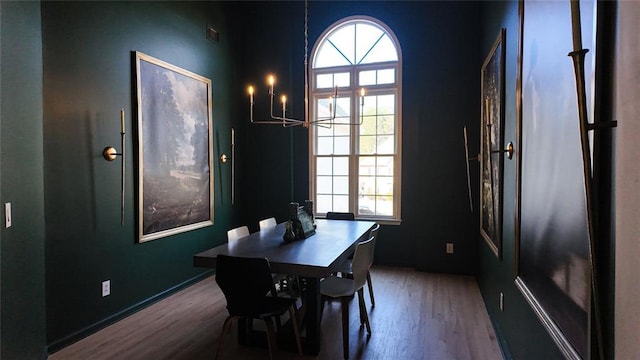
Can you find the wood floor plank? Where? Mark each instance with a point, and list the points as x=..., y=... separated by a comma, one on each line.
x=418, y=315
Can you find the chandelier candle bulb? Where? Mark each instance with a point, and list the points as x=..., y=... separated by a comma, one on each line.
x=271, y=82
x=251, y=94
x=284, y=105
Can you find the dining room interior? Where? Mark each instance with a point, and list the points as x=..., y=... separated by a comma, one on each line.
x=484, y=250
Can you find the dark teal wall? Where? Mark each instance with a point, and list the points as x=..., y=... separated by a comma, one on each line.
x=21, y=178
x=441, y=59
x=88, y=78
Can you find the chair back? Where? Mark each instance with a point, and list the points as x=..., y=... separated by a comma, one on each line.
x=267, y=223
x=237, y=233
x=244, y=282
x=374, y=234
x=362, y=261
x=333, y=215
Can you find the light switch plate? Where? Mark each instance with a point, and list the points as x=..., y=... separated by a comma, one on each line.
x=7, y=215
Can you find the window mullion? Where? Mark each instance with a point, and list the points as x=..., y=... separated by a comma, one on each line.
x=355, y=133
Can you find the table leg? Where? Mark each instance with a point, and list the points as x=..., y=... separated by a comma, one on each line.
x=312, y=316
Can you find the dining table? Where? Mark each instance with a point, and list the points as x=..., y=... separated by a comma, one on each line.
x=311, y=259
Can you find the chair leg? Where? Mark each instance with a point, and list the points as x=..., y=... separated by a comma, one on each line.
x=364, y=317
x=274, y=293
x=345, y=326
x=361, y=307
x=296, y=331
x=370, y=285
x=271, y=337
x=225, y=327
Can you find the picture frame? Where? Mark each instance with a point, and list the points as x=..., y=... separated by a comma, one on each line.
x=175, y=149
x=492, y=138
x=553, y=263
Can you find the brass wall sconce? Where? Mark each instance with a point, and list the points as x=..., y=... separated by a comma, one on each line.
x=224, y=158
x=110, y=154
x=508, y=151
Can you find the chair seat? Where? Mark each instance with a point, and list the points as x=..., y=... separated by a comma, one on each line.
x=337, y=287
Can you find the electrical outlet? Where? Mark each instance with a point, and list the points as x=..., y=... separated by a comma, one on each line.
x=106, y=288
x=449, y=248
x=501, y=302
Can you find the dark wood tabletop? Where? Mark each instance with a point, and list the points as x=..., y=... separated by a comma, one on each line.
x=315, y=256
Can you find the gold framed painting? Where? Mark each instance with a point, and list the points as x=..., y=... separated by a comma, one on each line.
x=492, y=137
x=175, y=172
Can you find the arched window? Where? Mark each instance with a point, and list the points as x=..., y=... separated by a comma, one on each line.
x=356, y=157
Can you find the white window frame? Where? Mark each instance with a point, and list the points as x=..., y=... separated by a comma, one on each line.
x=352, y=91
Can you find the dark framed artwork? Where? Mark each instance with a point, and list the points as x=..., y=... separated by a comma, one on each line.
x=175, y=176
x=552, y=237
x=492, y=138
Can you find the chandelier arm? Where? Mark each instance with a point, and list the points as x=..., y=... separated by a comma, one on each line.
x=283, y=120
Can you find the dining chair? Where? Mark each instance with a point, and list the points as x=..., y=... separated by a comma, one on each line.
x=284, y=281
x=346, y=268
x=237, y=233
x=246, y=284
x=345, y=288
x=334, y=215
x=267, y=223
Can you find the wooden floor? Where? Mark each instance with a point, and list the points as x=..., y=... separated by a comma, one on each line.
x=418, y=315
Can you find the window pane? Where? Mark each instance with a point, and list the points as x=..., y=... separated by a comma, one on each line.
x=325, y=145
x=343, y=106
x=370, y=104
x=341, y=166
x=323, y=203
x=367, y=165
x=384, y=206
x=383, y=51
x=368, y=126
x=324, y=166
x=341, y=185
x=367, y=35
x=367, y=145
x=341, y=203
x=367, y=186
x=384, y=186
x=328, y=56
x=384, y=166
x=341, y=145
x=343, y=79
x=367, y=77
x=385, y=145
x=386, y=104
x=386, y=125
x=344, y=40
x=386, y=76
x=367, y=205
x=322, y=108
x=323, y=185
x=324, y=81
